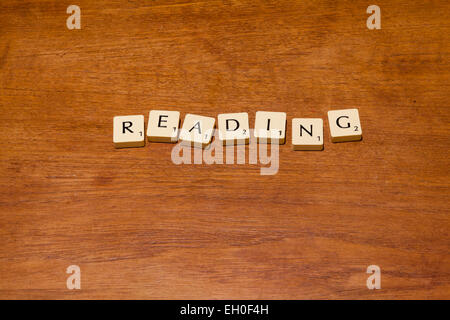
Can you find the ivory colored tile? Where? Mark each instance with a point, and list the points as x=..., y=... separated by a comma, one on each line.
x=270, y=126
x=128, y=131
x=197, y=131
x=234, y=128
x=344, y=125
x=307, y=134
x=163, y=126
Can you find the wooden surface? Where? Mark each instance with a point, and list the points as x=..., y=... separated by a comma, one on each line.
x=140, y=226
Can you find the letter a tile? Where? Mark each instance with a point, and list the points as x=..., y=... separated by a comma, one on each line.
x=197, y=131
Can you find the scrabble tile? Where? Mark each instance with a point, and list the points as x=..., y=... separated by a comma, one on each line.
x=270, y=126
x=197, y=131
x=128, y=131
x=233, y=128
x=163, y=126
x=307, y=134
x=344, y=125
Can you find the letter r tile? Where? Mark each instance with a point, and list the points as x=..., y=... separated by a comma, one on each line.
x=128, y=131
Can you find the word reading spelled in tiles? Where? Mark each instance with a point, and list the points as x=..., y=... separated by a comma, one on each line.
x=128, y=131
x=233, y=128
x=197, y=131
x=344, y=125
x=270, y=126
x=307, y=134
x=163, y=126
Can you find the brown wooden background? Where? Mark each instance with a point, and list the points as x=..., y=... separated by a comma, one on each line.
x=141, y=227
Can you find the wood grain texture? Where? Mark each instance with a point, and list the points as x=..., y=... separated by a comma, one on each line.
x=141, y=227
